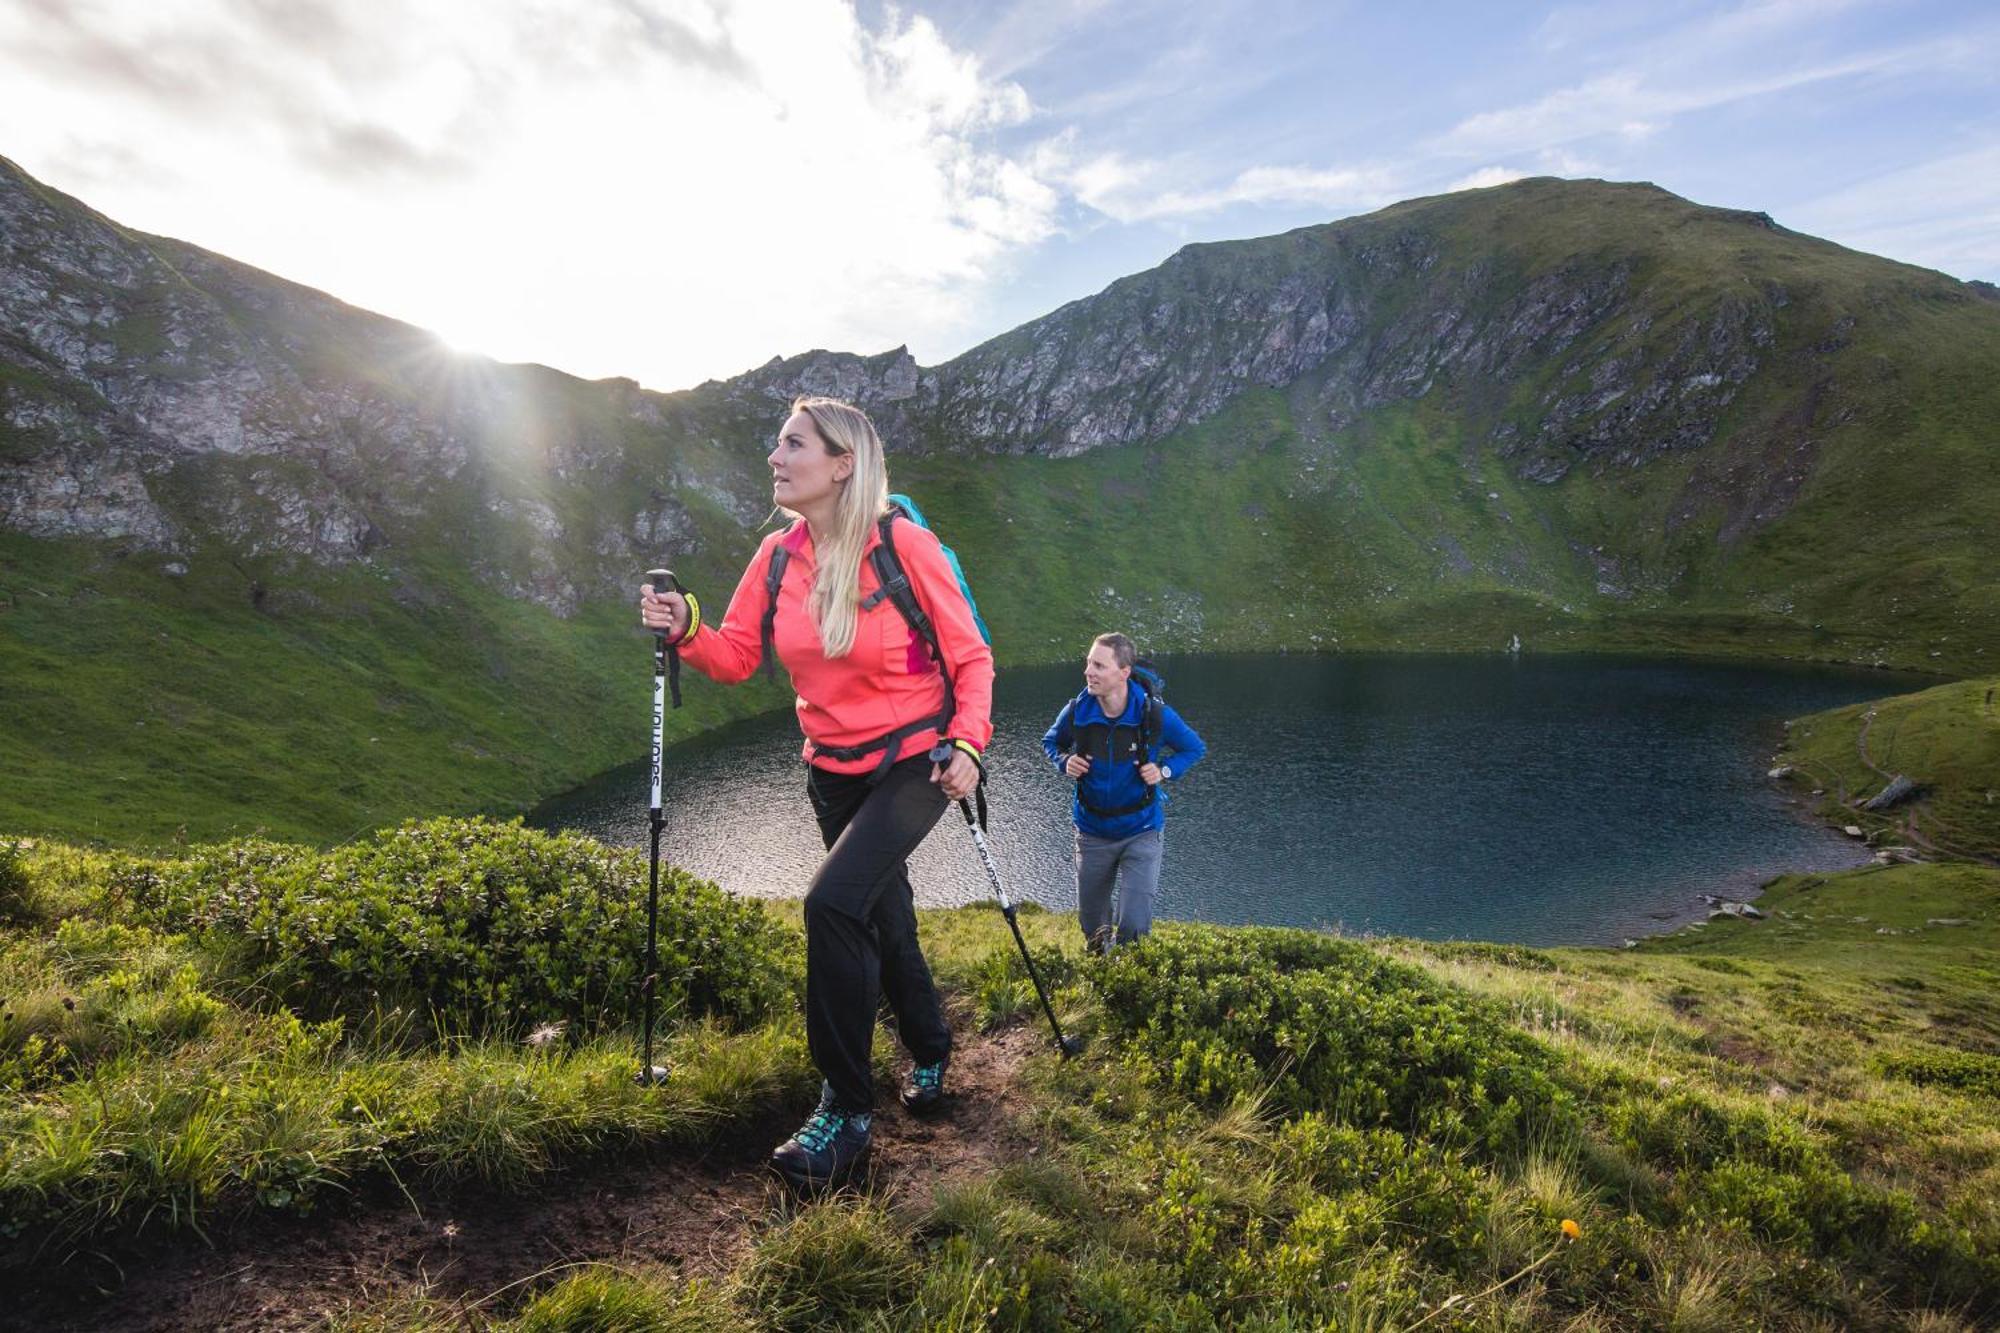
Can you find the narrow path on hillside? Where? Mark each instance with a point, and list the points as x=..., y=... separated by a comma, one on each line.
x=695, y=1215
x=1861, y=745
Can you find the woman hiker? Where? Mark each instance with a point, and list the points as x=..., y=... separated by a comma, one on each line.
x=889, y=742
x=1120, y=741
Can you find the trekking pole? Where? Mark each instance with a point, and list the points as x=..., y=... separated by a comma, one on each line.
x=666, y=665
x=1067, y=1045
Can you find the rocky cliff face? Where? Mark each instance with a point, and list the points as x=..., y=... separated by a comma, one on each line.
x=127, y=358
x=156, y=395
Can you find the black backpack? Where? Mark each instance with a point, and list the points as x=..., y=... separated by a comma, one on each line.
x=1152, y=712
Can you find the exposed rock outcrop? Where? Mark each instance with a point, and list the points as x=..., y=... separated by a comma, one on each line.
x=163, y=397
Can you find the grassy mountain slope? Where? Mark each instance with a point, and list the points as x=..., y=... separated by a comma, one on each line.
x=340, y=575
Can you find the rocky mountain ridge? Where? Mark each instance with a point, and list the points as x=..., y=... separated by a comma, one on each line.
x=158, y=396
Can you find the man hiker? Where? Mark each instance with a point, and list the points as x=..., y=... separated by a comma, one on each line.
x=1120, y=742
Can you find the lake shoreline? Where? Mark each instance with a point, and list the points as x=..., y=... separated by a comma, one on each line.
x=1552, y=799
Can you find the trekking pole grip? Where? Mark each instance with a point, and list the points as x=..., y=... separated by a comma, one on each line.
x=663, y=581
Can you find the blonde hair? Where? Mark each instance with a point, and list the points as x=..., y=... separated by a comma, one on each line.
x=836, y=592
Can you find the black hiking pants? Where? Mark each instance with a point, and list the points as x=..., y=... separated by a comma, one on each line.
x=861, y=925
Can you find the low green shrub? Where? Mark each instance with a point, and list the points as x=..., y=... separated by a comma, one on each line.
x=1001, y=990
x=34, y=1063
x=1328, y=1025
x=1685, y=1129
x=1943, y=1067
x=1764, y=1171
x=1122, y=1294
x=1377, y=1182
x=1500, y=955
x=16, y=889
x=93, y=991
x=488, y=926
x=129, y=1007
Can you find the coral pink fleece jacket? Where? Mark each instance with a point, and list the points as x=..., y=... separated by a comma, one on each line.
x=887, y=680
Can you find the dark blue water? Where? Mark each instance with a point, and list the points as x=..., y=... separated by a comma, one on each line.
x=1541, y=800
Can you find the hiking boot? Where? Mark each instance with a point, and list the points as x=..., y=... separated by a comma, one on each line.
x=829, y=1147
x=923, y=1090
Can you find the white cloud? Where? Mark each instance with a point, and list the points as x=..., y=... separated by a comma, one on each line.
x=1573, y=27
x=664, y=189
x=1755, y=50
x=1485, y=176
x=1903, y=213
x=1141, y=190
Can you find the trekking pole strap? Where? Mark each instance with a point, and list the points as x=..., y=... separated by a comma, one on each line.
x=667, y=663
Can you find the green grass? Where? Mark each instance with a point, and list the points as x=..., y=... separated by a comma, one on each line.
x=1946, y=740
x=154, y=1074
x=1789, y=1124
x=331, y=709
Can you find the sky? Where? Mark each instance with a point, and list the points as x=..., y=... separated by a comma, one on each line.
x=676, y=190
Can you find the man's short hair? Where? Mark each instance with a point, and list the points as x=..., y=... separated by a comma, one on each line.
x=1122, y=651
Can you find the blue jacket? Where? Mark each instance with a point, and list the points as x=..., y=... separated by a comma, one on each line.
x=1114, y=786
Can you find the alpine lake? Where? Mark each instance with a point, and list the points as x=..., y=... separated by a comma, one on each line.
x=1520, y=799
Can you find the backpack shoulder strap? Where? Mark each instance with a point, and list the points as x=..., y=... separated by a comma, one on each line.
x=1152, y=716
x=895, y=585
x=774, y=578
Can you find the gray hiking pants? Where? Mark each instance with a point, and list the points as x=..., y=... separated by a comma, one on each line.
x=1117, y=880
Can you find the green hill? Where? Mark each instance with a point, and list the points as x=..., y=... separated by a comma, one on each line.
x=1944, y=741
x=267, y=561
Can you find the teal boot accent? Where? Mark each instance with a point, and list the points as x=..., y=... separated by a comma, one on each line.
x=923, y=1091
x=831, y=1146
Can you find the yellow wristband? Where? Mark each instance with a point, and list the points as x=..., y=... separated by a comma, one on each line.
x=694, y=618
x=970, y=749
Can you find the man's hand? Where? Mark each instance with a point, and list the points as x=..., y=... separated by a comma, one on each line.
x=1077, y=765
